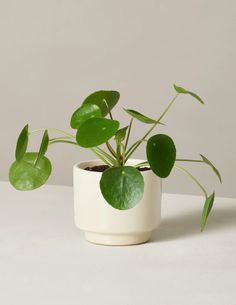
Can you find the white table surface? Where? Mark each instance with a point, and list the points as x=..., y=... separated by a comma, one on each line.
x=44, y=259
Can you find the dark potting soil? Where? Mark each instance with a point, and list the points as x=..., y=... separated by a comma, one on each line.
x=102, y=168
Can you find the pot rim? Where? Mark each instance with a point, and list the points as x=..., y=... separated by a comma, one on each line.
x=80, y=166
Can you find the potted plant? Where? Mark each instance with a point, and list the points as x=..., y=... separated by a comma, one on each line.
x=117, y=199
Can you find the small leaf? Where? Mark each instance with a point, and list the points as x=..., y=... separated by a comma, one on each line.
x=43, y=147
x=104, y=99
x=84, y=113
x=208, y=162
x=122, y=187
x=206, y=210
x=25, y=175
x=96, y=131
x=161, y=154
x=184, y=91
x=22, y=143
x=120, y=134
x=139, y=116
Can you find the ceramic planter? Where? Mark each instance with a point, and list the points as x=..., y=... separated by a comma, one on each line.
x=101, y=223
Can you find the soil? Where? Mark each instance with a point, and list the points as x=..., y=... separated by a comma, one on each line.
x=98, y=168
x=102, y=168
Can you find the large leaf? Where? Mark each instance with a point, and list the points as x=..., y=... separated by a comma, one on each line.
x=208, y=162
x=84, y=113
x=161, y=154
x=104, y=99
x=184, y=91
x=120, y=134
x=22, y=143
x=122, y=187
x=43, y=147
x=206, y=210
x=96, y=131
x=26, y=175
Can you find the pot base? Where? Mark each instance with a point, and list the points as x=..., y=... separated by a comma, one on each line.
x=117, y=239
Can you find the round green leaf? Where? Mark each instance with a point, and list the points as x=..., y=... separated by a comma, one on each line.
x=24, y=175
x=161, y=154
x=122, y=187
x=84, y=113
x=104, y=99
x=22, y=143
x=96, y=131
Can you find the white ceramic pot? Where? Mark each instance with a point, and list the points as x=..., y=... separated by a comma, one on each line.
x=105, y=225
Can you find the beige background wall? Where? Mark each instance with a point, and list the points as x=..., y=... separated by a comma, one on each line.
x=54, y=53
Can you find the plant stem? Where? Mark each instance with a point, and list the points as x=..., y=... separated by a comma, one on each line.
x=62, y=141
x=123, y=154
x=193, y=178
x=128, y=134
x=110, y=148
x=59, y=138
x=53, y=129
x=145, y=163
x=190, y=160
x=95, y=151
x=109, y=111
x=151, y=129
x=105, y=155
x=111, y=117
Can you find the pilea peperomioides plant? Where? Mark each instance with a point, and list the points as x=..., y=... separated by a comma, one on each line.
x=121, y=185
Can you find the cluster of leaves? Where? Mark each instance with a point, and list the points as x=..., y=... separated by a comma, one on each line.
x=121, y=185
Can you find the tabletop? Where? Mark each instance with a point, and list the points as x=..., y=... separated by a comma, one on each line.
x=45, y=260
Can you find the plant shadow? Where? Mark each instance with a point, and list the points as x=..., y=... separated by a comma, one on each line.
x=180, y=226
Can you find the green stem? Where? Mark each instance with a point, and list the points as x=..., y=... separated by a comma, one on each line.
x=119, y=157
x=110, y=148
x=94, y=150
x=128, y=134
x=142, y=164
x=53, y=129
x=151, y=129
x=59, y=138
x=193, y=178
x=105, y=155
x=62, y=141
x=190, y=160
x=109, y=111
x=111, y=117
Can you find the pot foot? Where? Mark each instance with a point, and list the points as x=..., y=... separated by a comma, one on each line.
x=117, y=239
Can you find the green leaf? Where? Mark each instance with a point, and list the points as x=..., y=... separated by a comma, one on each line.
x=120, y=134
x=96, y=131
x=139, y=116
x=104, y=99
x=43, y=147
x=184, y=91
x=208, y=162
x=161, y=154
x=25, y=175
x=122, y=187
x=22, y=143
x=84, y=113
x=142, y=118
x=206, y=210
